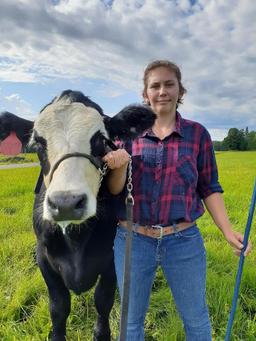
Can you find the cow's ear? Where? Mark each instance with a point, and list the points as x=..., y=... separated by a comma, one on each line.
x=130, y=122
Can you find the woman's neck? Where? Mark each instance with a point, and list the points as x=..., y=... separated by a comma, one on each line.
x=164, y=125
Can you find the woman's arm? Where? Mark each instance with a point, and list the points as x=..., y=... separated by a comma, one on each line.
x=117, y=161
x=216, y=207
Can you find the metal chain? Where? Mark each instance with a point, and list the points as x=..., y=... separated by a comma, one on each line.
x=129, y=185
x=103, y=172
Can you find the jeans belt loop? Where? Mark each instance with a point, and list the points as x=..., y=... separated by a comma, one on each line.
x=175, y=229
x=135, y=227
x=161, y=232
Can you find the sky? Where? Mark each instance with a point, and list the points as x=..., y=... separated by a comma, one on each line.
x=101, y=48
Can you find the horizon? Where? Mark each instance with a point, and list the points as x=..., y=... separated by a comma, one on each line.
x=101, y=48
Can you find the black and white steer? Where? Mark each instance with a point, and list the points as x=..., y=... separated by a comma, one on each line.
x=73, y=216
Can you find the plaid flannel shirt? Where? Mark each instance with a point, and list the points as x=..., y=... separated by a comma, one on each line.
x=171, y=176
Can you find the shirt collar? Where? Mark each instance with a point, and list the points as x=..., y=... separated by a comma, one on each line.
x=178, y=127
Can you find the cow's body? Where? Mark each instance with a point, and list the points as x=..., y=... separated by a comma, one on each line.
x=73, y=216
x=12, y=123
x=75, y=260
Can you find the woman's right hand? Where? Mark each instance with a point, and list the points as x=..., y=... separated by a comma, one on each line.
x=117, y=159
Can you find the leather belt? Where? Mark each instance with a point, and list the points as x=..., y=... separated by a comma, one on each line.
x=158, y=231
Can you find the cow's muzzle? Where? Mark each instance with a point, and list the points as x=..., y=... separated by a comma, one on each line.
x=67, y=206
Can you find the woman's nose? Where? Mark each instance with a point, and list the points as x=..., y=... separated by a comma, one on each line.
x=162, y=91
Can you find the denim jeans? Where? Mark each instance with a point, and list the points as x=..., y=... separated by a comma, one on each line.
x=182, y=258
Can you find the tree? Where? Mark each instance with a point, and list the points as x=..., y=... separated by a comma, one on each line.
x=235, y=140
x=251, y=140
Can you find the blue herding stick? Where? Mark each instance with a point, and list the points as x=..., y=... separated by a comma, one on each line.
x=240, y=266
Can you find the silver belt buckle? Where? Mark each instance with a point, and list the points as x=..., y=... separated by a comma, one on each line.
x=161, y=230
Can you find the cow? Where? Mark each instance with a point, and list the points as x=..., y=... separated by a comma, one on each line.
x=73, y=217
x=15, y=127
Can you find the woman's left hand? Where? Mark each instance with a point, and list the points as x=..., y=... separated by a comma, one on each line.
x=235, y=239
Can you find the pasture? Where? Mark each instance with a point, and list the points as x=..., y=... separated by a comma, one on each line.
x=23, y=296
x=21, y=158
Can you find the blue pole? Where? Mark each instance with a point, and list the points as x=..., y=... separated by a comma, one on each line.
x=240, y=266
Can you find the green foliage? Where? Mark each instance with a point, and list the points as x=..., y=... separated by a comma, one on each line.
x=237, y=140
x=24, y=311
x=251, y=140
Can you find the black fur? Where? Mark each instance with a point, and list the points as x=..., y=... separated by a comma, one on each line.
x=130, y=122
x=76, y=96
x=40, y=146
x=10, y=122
x=76, y=260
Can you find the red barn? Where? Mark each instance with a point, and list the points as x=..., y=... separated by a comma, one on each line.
x=11, y=145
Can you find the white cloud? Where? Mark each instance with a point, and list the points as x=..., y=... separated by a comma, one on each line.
x=218, y=134
x=15, y=104
x=212, y=41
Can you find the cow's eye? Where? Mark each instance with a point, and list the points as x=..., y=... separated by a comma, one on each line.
x=39, y=143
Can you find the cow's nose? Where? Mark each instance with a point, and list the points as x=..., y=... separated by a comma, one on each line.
x=66, y=205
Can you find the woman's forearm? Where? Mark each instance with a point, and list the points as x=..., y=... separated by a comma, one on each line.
x=116, y=180
x=216, y=207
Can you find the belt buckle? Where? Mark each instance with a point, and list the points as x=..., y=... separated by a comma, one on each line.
x=160, y=228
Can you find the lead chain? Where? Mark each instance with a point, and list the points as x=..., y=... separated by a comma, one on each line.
x=103, y=172
x=129, y=185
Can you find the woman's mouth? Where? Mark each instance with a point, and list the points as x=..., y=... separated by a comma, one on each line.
x=163, y=102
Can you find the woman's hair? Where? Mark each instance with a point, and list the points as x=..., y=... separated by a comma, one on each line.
x=169, y=65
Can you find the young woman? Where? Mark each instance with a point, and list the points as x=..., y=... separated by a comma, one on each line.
x=174, y=170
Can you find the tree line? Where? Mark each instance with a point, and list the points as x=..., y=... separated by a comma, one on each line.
x=237, y=140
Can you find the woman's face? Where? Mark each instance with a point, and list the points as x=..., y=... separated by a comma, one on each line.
x=162, y=91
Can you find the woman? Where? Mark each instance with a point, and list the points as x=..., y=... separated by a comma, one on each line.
x=174, y=170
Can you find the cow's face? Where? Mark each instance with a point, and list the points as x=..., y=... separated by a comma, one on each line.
x=72, y=190
x=65, y=127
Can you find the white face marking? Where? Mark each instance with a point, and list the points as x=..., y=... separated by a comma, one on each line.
x=68, y=128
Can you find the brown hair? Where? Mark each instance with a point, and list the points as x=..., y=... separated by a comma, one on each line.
x=169, y=65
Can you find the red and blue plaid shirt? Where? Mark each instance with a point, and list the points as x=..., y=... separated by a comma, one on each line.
x=171, y=176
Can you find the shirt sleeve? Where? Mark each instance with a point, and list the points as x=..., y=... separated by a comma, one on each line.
x=208, y=182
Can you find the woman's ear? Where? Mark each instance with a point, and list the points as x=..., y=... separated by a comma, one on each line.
x=145, y=99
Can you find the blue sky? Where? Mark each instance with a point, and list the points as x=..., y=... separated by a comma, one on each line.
x=101, y=47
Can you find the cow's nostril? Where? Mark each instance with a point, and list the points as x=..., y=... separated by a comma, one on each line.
x=81, y=204
x=51, y=204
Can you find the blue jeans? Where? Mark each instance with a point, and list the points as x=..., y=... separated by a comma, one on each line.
x=182, y=258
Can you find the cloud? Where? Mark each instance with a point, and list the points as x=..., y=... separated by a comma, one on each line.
x=16, y=105
x=212, y=42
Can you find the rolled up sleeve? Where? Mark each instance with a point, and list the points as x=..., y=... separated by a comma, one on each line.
x=208, y=181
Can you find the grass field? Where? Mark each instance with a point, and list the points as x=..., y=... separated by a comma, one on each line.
x=21, y=158
x=23, y=297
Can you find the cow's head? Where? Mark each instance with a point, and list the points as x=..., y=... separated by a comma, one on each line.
x=70, y=124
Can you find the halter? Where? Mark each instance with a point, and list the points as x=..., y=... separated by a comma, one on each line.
x=101, y=167
x=98, y=164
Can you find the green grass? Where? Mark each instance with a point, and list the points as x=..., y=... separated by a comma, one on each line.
x=20, y=158
x=23, y=296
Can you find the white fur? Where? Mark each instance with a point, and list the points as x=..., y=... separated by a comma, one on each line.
x=68, y=127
